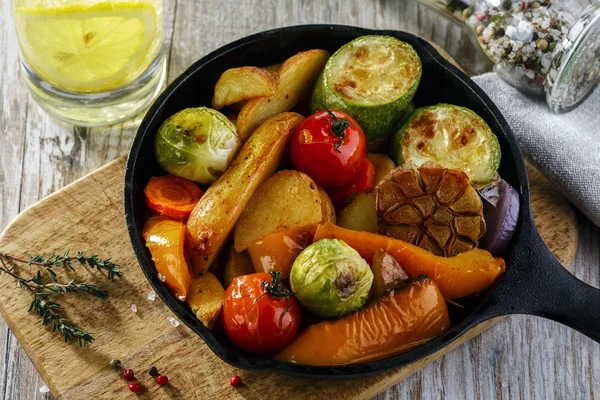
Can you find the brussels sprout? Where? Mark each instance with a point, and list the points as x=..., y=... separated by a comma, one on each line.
x=331, y=279
x=197, y=144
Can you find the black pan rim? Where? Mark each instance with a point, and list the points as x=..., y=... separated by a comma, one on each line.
x=264, y=364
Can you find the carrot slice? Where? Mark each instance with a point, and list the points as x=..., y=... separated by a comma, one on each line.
x=172, y=196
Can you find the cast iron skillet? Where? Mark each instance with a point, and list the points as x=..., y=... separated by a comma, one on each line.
x=535, y=282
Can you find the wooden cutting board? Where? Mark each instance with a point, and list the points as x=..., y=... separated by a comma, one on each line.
x=88, y=216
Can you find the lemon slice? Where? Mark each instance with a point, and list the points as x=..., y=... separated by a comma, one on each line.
x=89, y=49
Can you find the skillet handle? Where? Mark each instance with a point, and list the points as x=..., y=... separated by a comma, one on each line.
x=537, y=284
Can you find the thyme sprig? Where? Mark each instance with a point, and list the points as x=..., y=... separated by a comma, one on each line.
x=55, y=260
x=42, y=291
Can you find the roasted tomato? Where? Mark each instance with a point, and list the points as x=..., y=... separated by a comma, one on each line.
x=330, y=147
x=363, y=182
x=260, y=315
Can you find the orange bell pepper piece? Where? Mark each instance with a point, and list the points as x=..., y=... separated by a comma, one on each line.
x=165, y=240
x=277, y=251
x=456, y=277
x=404, y=319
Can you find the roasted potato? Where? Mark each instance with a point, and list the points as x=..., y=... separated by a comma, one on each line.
x=296, y=78
x=290, y=199
x=236, y=264
x=383, y=165
x=239, y=84
x=205, y=298
x=273, y=67
x=215, y=215
x=388, y=274
x=327, y=207
x=360, y=213
x=238, y=106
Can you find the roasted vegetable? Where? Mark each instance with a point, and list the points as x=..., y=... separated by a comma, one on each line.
x=244, y=83
x=434, y=208
x=296, y=78
x=165, y=240
x=327, y=209
x=388, y=274
x=330, y=147
x=171, y=196
x=278, y=251
x=363, y=182
x=383, y=165
x=289, y=199
x=205, y=298
x=236, y=264
x=359, y=214
x=215, y=215
x=501, y=211
x=372, y=78
x=452, y=136
x=197, y=144
x=414, y=314
x=456, y=277
x=330, y=279
x=260, y=315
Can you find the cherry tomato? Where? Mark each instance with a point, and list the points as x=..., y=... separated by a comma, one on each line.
x=330, y=147
x=258, y=317
x=364, y=182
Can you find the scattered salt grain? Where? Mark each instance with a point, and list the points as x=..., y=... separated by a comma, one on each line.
x=546, y=61
x=523, y=26
x=518, y=44
x=44, y=389
x=174, y=321
x=530, y=74
x=161, y=277
x=152, y=295
x=510, y=31
x=134, y=308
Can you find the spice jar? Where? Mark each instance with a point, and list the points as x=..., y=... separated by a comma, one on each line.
x=542, y=48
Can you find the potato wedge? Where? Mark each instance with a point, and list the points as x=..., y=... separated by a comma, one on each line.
x=297, y=76
x=239, y=84
x=290, y=199
x=205, y=298
x=327, y=208
x=360, y=214
x=387, y=274
x=236, y=264
x=383, y=165
x=215, y=215
x=273, y=67
x=238, y=106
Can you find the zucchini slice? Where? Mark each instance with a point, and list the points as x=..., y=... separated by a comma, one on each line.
x=373, y=79
x=452, y=136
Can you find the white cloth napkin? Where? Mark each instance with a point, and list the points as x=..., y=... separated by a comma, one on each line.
x=565, y=148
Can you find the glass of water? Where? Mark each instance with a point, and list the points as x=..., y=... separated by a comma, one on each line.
x=91, y=62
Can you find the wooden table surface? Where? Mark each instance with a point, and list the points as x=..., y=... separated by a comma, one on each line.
x=520, y=357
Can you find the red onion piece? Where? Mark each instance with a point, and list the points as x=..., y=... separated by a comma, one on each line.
x=501, y=213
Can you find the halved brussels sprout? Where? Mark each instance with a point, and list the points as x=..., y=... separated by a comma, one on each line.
x=331, y=279
x=452, y=136
x=197, y=144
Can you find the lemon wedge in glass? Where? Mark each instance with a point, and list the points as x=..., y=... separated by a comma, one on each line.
x=89, y=48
